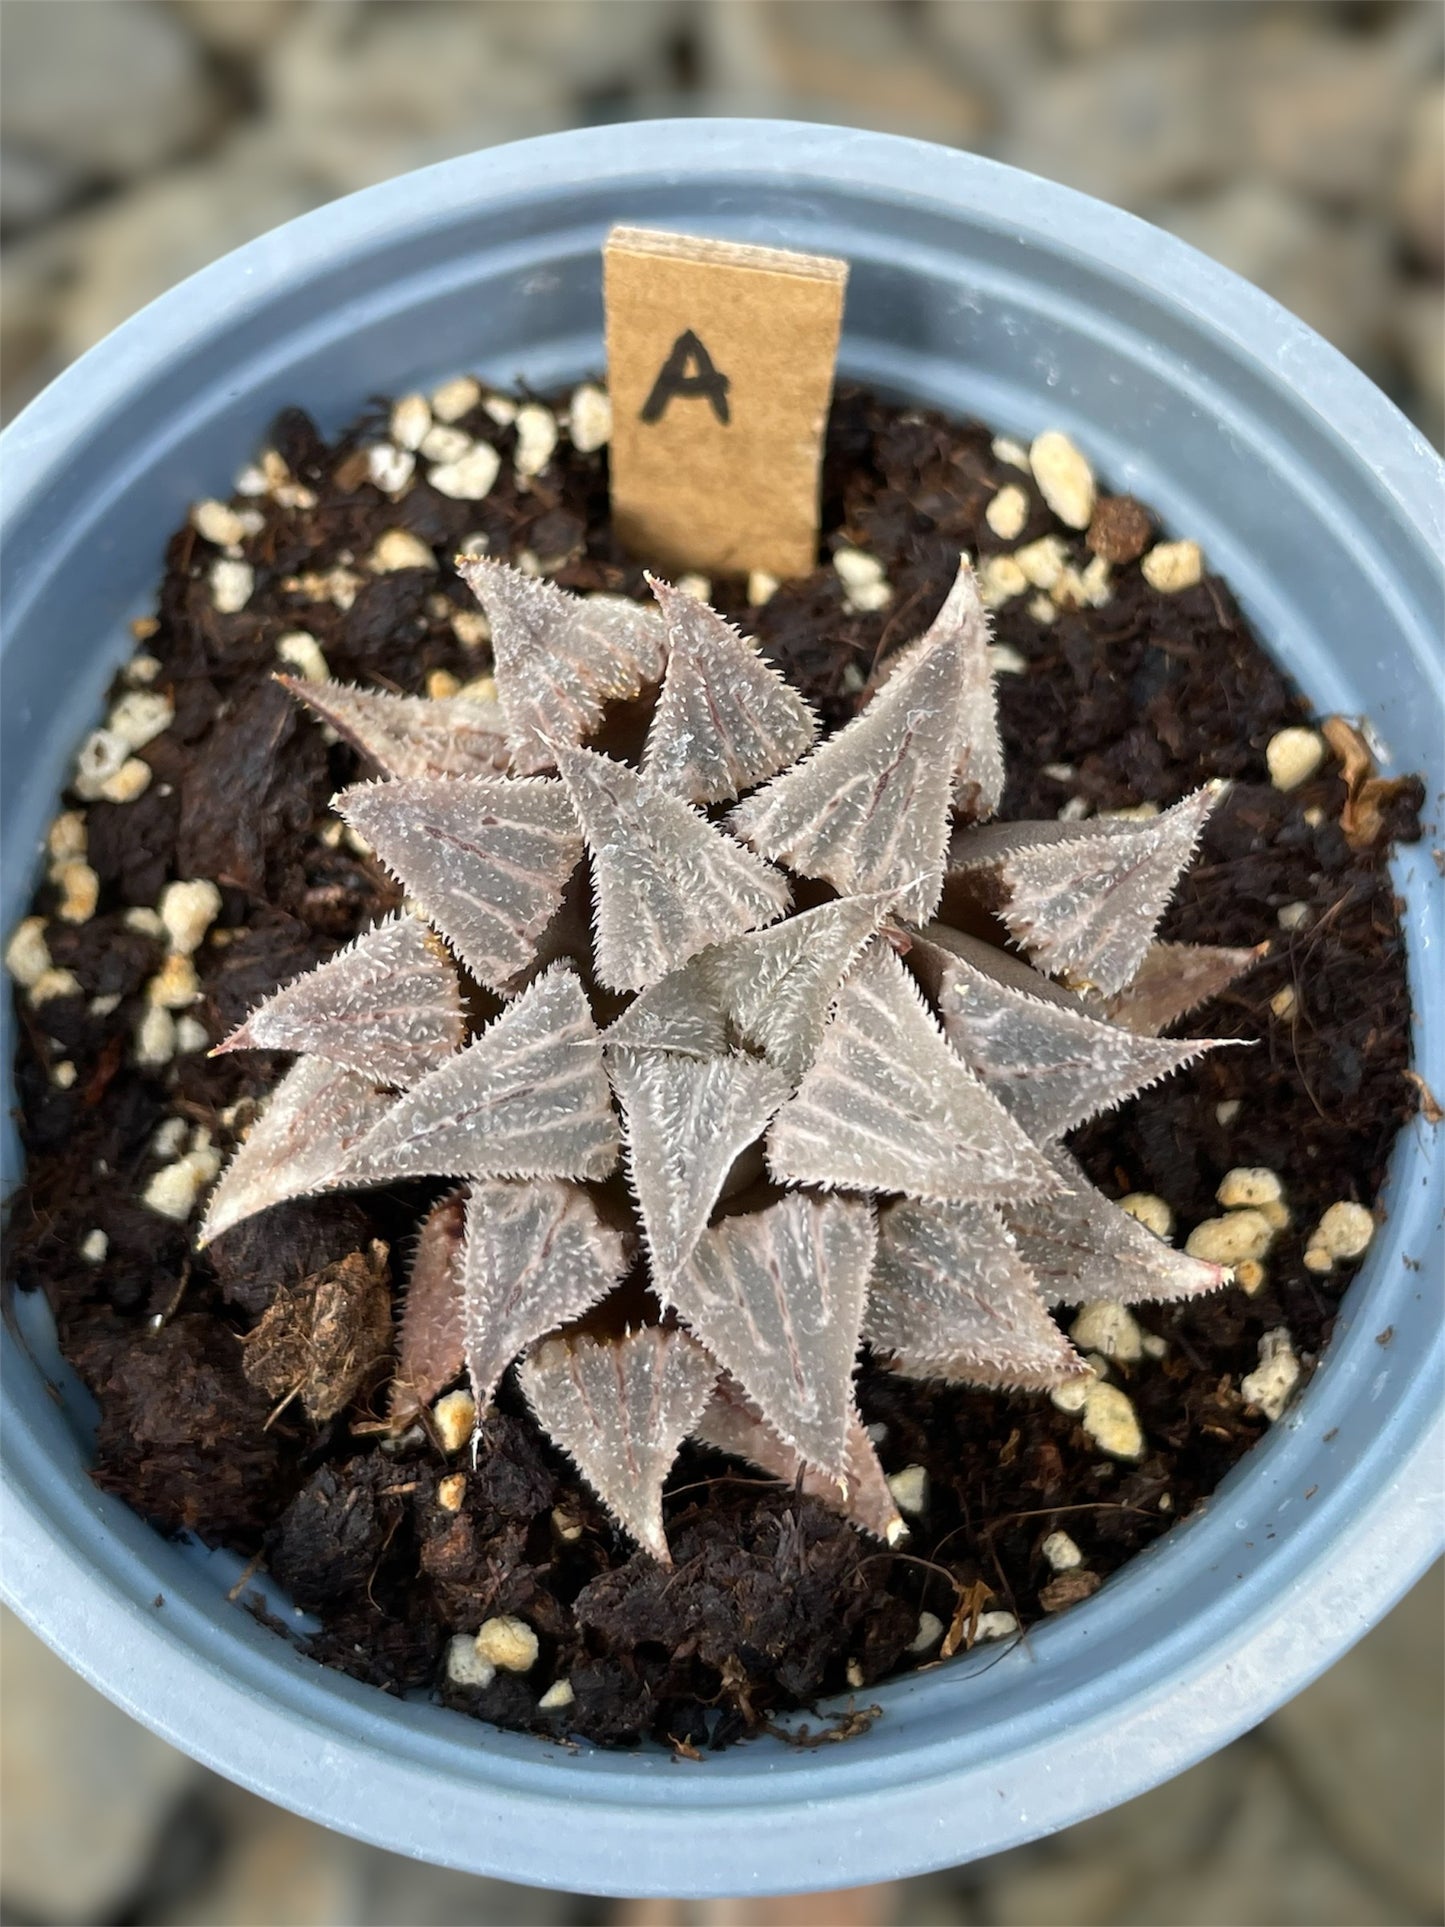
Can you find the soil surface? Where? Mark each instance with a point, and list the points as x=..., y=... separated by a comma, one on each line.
x=773, y=1602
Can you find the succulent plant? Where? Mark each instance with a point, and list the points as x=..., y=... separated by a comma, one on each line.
x=834, y=1033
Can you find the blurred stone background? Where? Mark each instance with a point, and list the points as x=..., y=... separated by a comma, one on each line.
x=1300, y=141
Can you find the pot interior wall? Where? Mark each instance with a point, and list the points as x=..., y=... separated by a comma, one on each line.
x=986, y=294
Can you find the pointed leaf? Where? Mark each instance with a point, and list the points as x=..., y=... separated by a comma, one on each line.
x=979, y=770
x=559, y=659
x=1052, y=1067
x=686, y=1120
x=620, y=1410
x=387, y=1006
x=680, y=1012
x=526, y=1099
x=301, y=1143
x=1084, y=899
x=888, y=1105
x=408, y=736
x=1081, y=1246
x=726, y=719
x=667, y=882
x=777, y=1298
x=429, y=1351
x=870, y=808
x=730, y=1424
x=952, y=1299
x=486, y=859
x=1174, y=979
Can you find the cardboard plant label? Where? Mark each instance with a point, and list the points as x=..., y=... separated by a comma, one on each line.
x=720, y=364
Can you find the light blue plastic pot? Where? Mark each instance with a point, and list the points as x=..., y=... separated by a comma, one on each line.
x=983, y=291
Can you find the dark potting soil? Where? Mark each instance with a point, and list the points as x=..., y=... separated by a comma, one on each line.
x=772, y=1601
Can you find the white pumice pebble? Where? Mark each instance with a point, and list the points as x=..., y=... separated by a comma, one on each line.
x=1071, y=1397
x=1007, y=513
x=451, y=1491
x=1000, y=579
x=508, y=1643
x=1172, y=566
x=1042, y=609
x=455, y=398
x=930, y=1632
x=63, y=1074
x=877, y=1431
x=94, y=1247
x=895, y=1532
x=1228, y=1111
x=1096, y=583
x=1317, y=1259
x=762, y=587
x=1230, y=1240
x=1131, y=813
x=192, y=1037
x=155, y=1038
x=168, y=1139
x=697, y=586
x=465, y=1665
x=400, y=549
x=481, y=689
x=250, y=521
x=1293, y=756
x=1005, y=661
x=910, y=1490
x=300, y=651
x=1155, y=1346
x=1278, y=1213
x=144, y=921
x=27, y=955
x=131, y=780
x=66, y=836
x=455, y=1416
x=589, y=418
x=998, y=1625
x=141, y=671
x=525, y=563
x=1151, y=1211
x=1252, y=1184
x=1345, y=1231
x=1061, y=1552
x=472, y=630
x=251, y=480
x=1065, y=479
x=358, y=846
x=390, y=468
x=101, y=756
x=1270, y=1385
x=443, y=444
x=53, y=985
x=1006, y=449
x=1314, y=816
x=856, y=569
x=79, y=888
x=1251, y=1276
x=232, y=583
x=175, y=1189
x=536, y=439
x=566, y=1525
x=175, y=985
x=557, y=1698
x=1075, y=810
x=502, y=409
x=1111, y=1422
x=1043, y=562
x=1292, y=916
x=853, y=1673
x=1285, y=1003
x=410, y=420
x=217, y=523
x=470, y=476
x=441, y=683
x=187, y=910
x=1109, y=1329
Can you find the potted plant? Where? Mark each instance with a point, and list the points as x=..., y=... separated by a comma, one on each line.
x=985, y=293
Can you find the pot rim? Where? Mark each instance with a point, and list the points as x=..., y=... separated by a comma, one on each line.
x=82, y=1570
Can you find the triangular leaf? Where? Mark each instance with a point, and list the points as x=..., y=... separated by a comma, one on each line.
x=537, y=1256
x=687, y=1119
x=667, y=883
x=1174, y=979
x=1084, y=899
x=559, y=659
x=680, y=1012
x=486, y=859
x=777, y=1298
x=620, y=1409
x=1081, y=1246
x=889, y=1106
x=726, y=719
x=870, y=808
x=301, y=1142
x=979, y=769
x=526, y=1099
x=730, y=1424
x=408, y=736
x=387, y=1006
x=952, y=1299
x=429, y=1350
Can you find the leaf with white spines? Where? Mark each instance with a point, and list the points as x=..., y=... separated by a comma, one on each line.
x=527, y=1099
x=725, y=719
x=429, y=1346
x=387, y=1006
x=979, y=770
x=1053, y=1068
x=666, y=882
x=870, y=808
x=485, y=859
x=1174, y=979
x=537, y=1256
x=409, y=736
x=686, y=1120
x=777, y=1298
x=1080, y=1245
x=559, y=659
x=889, y=1106
x=680, y=1012
x=300, y=1144
x=952, y=1299
x=731, y=1424
x=1084, y=899
x=620, y=1408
